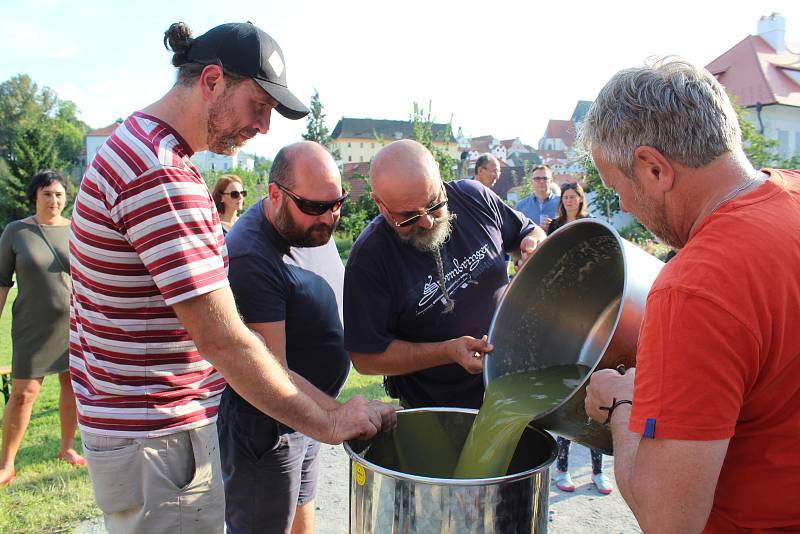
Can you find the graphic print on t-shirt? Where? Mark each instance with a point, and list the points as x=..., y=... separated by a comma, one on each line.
x=465, y=272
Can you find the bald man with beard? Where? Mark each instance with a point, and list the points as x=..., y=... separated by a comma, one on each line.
x=270, y=469
x=424, y=278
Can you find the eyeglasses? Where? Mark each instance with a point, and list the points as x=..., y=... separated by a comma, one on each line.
x=236, y=194
x=314, y=207
x=540, y=178
x=427, y=211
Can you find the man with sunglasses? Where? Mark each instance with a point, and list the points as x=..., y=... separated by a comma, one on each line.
x=541, y=206
x=424, y=278
x=270, y=469
x=154, y=331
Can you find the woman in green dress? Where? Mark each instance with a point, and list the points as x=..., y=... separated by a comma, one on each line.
x=36, y=250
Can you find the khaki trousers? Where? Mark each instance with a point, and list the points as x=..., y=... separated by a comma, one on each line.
x=170, y=484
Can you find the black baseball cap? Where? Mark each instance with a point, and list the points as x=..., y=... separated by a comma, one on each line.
x=244, y=49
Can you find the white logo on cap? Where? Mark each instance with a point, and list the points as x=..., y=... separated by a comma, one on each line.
x=276, y=63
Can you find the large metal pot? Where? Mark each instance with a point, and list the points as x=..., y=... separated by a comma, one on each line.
x=400, y=480
x=579, y=300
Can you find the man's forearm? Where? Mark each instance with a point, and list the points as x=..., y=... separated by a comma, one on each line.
x=221, y=338
x=402, y=357
x=626, y=444
x=259, y=378
x=320, y=397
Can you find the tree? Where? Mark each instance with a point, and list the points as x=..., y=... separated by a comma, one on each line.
x=761, y=152
x=357, y=212
x=316, y=130
x=423, y=131
x=605, y=199
x=38, y=131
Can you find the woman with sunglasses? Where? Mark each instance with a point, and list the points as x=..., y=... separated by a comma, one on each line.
x=571, y=207
x=228, y=195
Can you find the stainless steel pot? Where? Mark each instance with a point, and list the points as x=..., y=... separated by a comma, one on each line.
x=579, y=300
x=399, y=480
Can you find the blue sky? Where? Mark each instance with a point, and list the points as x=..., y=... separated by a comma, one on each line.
x=501, y=68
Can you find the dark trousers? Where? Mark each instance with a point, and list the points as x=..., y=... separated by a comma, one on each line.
x=563, y=457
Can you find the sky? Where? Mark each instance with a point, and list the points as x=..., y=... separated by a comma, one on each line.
x=502, y=68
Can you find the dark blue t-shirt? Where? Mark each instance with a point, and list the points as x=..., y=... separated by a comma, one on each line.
x=391, y=290
x=267, y=289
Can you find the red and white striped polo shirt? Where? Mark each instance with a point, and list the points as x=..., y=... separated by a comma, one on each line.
x=145, y=235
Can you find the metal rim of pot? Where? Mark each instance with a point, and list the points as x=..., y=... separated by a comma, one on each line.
x=456, y=481
x=568, y=227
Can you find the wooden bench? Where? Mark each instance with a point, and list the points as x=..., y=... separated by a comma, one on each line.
x=5, y=375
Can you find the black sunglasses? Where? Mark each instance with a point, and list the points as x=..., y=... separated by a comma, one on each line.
x=235, y=194
x=314, y=207
x=427, y=211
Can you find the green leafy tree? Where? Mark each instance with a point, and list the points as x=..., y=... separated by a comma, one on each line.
x=357, y=212
x=605, y=200
x=422, y=123
x=316, y=130
x=38, y=131
x=761, y=152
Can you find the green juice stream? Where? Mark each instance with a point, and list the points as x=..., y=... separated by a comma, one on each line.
x=510, y=403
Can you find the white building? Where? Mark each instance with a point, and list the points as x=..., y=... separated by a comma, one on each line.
x=208, y=161
x=762, y=72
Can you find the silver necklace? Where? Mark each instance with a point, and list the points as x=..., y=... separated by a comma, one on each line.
x=757, y=179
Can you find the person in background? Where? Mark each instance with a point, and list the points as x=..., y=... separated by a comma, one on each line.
x=541, y=206
x=36, y=250
x=228, y=195
x=571, y=207
x=487, y=170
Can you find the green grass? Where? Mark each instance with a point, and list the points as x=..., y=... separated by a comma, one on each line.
x=51, y=496
x=47, y=495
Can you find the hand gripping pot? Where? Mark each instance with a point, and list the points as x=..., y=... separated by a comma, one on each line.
x=579, y=299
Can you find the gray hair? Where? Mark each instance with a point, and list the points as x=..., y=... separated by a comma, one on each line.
x=670, y=105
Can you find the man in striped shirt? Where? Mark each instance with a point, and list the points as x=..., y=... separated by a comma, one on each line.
x=154, y=331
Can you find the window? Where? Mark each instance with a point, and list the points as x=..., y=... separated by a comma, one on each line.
x=362, y=145
x=349, y=158
x=361, y=158
x=348, y=144
x=783, y=143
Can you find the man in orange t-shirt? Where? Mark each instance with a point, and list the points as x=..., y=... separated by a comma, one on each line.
x=711, y=441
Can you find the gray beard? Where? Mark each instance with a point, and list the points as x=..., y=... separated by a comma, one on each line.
x=430, y=240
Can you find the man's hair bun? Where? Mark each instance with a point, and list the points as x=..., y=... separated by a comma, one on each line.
x=178, y=39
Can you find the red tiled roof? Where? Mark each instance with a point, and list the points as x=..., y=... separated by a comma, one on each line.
x=355, y=186
x=558, y=129
x=480, y=145
x=753, y=72
x=105, y=131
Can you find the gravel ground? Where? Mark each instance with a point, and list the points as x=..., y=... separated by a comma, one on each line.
x=584, y=511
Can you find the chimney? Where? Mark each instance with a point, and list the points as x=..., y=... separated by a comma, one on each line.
x=772, y=29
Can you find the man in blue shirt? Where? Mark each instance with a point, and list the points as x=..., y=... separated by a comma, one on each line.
x=270, y=470
x=424, y=278
x=541, y=206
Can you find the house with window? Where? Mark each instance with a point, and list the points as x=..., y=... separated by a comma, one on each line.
x=762, y=73
x=358, y=140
